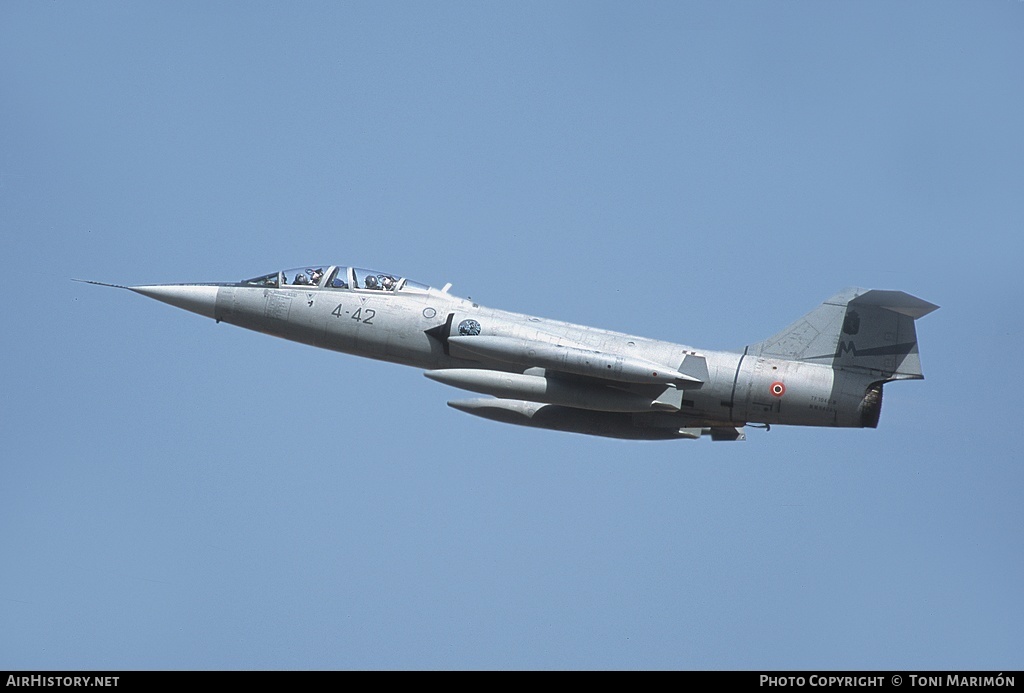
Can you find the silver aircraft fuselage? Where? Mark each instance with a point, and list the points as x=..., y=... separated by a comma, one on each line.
x=827, y=369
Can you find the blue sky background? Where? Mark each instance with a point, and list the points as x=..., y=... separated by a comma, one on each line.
x=177, y=494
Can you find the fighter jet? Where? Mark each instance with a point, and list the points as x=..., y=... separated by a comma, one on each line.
x=826, y=369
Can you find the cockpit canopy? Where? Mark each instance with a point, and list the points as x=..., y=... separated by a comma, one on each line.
x=336, y=277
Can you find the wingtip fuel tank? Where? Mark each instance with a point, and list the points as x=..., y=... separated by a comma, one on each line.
x=605, y=424
x=548, y=390
x=571, y=359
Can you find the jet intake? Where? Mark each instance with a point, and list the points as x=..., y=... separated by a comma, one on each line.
x=570, y=359
x=547, y=390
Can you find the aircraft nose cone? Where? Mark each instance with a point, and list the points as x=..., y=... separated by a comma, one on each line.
x=193, y=297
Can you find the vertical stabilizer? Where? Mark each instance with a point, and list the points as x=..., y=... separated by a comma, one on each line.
x=857, y=329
